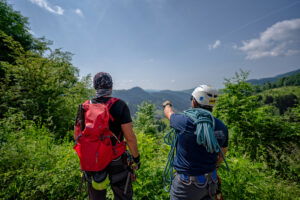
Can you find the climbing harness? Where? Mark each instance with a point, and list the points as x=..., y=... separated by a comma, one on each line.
x=205, y=123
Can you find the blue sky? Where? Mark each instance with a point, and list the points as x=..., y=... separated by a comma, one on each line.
x=171, y=44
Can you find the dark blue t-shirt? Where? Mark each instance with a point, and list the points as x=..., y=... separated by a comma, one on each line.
x=191, y=158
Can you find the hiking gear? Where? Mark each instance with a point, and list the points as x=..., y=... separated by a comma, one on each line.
x=168, y=174
x=100, y=181
x=117, y=172
x=133, y=165
x=202, y=179
x=205, y=95
x=121, y=115
x=137, y=159
x=93, y=144
x=167, y=103
x=219, y=195
x=205, y=123
x=137, y=164
x=192, y=189
x=127, y=182
x=103, y=80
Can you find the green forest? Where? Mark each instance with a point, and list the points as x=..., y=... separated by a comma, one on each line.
x=40, y=91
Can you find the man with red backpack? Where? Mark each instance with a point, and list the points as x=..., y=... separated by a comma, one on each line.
x=102, y=123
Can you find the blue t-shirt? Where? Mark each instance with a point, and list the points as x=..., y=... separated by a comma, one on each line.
x=191, y=158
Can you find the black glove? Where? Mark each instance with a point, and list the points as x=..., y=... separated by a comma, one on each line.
x=137, y=163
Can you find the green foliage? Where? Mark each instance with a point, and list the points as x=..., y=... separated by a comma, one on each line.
x=249, y=180
x=12, y=23
x=149, y=184
x=286, y=101
x=32, y=166
x=145, y=121
x=258, y=131
x=290, y=79
x=282, y=98
x=38, y=100
x=9, y=49
x=42, y=88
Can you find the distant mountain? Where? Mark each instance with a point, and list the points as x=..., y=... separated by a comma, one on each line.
x=180, y=99
x=135, y=96
x=272, y=79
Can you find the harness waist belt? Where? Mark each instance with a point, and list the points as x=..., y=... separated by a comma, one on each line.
x=202, y=179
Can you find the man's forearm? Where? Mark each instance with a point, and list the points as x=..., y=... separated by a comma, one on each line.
x=132, y=145
x=220, y=157
x=130, y=139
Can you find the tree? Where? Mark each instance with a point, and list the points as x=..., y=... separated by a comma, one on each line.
x=13, y=24
x=285, y=101
x=145, y=121
x=43, y=87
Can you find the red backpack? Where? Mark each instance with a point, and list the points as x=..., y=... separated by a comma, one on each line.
x=93, y=142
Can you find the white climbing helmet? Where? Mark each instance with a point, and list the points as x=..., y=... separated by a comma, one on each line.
x=205, y=95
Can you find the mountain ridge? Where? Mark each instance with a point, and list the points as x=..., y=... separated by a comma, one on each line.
x=180, y=99
x=272, y=79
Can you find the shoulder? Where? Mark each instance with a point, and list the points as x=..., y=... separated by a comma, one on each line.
x=219, y=125
x=119, y=103
x=180, y=121
x=179, y=117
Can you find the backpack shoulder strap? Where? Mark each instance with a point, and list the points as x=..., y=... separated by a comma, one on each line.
x=111, y=102
x=87, y=102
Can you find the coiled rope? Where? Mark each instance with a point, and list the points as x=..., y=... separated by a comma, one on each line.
x=205, y=125
x=168, y=174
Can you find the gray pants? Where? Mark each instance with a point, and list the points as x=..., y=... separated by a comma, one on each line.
x=193, y=190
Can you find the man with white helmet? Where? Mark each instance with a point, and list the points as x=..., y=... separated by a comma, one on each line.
x=200, y=141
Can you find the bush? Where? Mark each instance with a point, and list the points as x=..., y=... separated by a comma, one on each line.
x=144, y=120
x=249, y=180
x=256, y=130
x=33, y=167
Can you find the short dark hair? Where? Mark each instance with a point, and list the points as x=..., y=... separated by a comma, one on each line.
x=102, y=80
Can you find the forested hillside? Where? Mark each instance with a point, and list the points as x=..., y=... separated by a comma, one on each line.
x=39, y=93
x=274, y=79
x=136, y=96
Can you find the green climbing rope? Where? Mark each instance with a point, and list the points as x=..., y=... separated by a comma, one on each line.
x=168, y=174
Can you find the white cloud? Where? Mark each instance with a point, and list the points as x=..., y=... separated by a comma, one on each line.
x=281, y=39
x=215, y=45
x=44, y=4
x=79, y=12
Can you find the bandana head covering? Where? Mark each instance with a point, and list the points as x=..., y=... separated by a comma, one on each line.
x=103, y=84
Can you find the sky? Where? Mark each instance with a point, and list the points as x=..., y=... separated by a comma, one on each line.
x=171, y=44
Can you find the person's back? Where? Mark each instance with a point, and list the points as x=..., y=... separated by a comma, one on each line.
x=120, y=125
x=196, y=176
